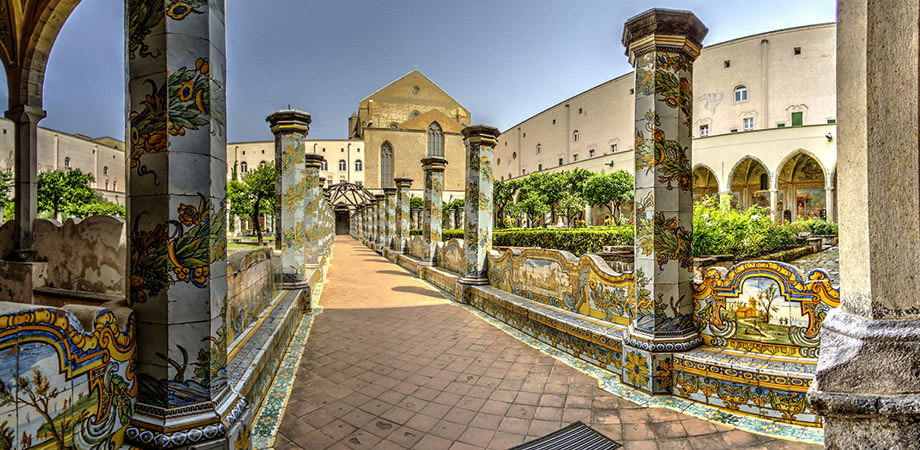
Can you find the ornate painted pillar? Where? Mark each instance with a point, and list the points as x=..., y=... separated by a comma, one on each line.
x=431, y=216
x=402, y=212
x=662, y=44
x=25, y=120
x=449, y=220
x=381, y=218
x=390, y=217
x=316, y=213
x=415, y=212
x=866, y=385
x=372, y=223
x=177, y=229
x=290, y=128
x=477, y=230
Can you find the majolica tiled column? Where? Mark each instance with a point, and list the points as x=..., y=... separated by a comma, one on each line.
x=431, y=216
x=290, y=128
x=866, y=385
x=177, y=229
x=415, y=213
x=402, y=212
x=662, y=45
x=477, y=230
x=316, y=211
x=381, y=220
x=389, y=224
x=371, y=236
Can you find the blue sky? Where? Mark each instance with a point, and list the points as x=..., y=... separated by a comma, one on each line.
x=503, y=60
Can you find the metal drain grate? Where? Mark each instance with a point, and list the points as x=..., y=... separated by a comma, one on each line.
x=576, y=436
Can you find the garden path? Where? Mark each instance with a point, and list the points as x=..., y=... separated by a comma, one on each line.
x=392, y=363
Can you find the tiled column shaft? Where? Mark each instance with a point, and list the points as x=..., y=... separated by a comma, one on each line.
x=402, y=212
x=415, y=213
x=381, y=219
x=316, y=213
x=477, y=230
x=177, y=229
x=431, y=216
x=866, y=385
x=290, y=128
x=662, y=45
x=390, y=217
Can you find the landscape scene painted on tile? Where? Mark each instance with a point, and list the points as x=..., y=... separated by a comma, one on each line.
x=74, y=387
x=765, y=307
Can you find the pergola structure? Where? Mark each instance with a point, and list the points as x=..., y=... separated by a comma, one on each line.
x=350, y=195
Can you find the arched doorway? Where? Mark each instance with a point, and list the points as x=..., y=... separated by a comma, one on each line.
x=342, y=219
x=801, y=187
x=750, y=184
x=704, y=183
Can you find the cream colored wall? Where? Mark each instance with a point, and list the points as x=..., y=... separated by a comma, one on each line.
x=771, y=147
x=603, y=121
x=102, y=158
x=793, y=82
x=253, y=153
x=778, y=81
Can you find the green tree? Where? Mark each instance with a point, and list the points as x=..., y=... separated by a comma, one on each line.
x=6, y=195
x=99, y=209
x=571, y=205
x=253, y=196
x=606, y=189
x=534, y=206
x=503, y=193
x=576, y=178
x=416, y=202
x=65, y=190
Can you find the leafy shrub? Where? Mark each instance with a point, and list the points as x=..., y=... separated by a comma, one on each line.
x=719, y=229
x=578, y=241
x=815, y=226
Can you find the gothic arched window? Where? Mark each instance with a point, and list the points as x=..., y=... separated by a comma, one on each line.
x=359, y=166
x=435, y=140
x=386, y=165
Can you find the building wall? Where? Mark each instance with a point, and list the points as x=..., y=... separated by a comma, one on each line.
x=778, y=81
x=409, y=147
x=104, y=158
x=334, y=150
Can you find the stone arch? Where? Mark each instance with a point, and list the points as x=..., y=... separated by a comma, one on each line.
x=801, y=180
x=26, y=42
x=705, y=181
x=744, y=183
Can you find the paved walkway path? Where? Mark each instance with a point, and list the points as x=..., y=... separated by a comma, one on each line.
x=391, y=364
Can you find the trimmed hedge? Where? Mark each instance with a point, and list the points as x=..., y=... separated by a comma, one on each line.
x=578, y=241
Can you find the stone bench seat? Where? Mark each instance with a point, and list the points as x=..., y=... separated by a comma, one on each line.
x=585, y=338
x=747, y=382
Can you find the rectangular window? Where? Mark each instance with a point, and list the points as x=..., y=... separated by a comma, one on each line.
x=781, y=125
x=733, y=130
x=613, y=148
x=591, y=153
x=575, y=157
x=831, y=121
x=560, y=161
x=704, y=130
x=728, y=63
x=748, y=123
x=539, y=167
x=797, y=50
x=797, y=119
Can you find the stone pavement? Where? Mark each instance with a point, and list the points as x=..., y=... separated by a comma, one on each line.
x=391, y=364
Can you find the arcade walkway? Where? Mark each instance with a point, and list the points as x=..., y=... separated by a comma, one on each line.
x=391, y=364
